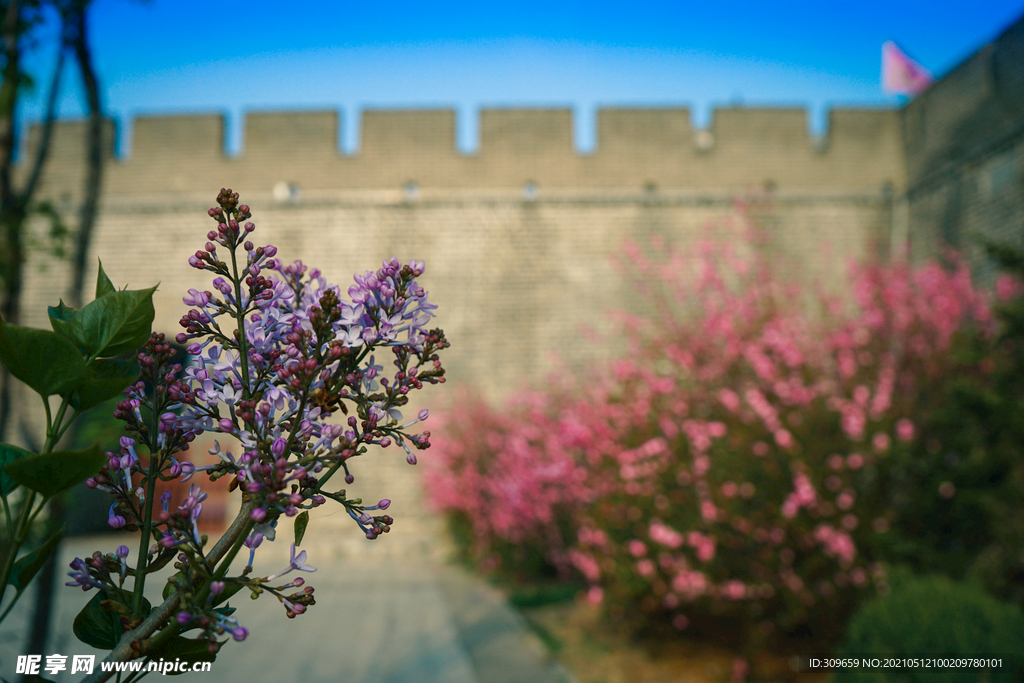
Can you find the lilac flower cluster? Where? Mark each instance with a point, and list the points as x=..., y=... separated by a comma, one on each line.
x=276, y=352
x=301, y=354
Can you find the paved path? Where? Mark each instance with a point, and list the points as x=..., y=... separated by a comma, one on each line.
x=388, y=611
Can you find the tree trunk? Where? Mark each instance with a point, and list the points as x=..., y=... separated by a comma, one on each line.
x=94, y=156
x=77, y=38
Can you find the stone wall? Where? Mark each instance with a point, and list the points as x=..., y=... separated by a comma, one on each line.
x=964, y=146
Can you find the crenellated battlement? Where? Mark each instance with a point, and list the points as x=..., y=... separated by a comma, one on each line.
x=636, y=148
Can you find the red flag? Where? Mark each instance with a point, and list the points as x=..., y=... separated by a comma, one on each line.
x=900, y=73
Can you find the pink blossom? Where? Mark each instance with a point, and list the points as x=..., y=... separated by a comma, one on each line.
x=905, y=429
x=858, y=577
x=881, y=442
x=729, y=489
x=586, y=564
x=645, y=567
x=1008, y=287
x=665, y=535
x=706, y=551
x=854, y=461
x=729, y=399
x=637, y=548
x=734, y=590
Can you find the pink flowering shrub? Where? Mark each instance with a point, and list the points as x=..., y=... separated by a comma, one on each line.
x=733, y=467
x=511, y=484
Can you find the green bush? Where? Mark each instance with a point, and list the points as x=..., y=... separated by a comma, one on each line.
x=933, y=616
x=956, y=491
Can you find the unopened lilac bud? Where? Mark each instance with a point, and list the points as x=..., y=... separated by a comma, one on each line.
x=384, y=504
x=365, y=518
x=424, y=414
x=184, y=618
x=249, y=227
x=270, y=251
x=385, y=442
x=248, y=245
x=258, y=515
x=349, y=478
x=122, y=551
x=181, y=338
x=411, y=458
x=226, y=425
x=240, y=633
x=277, y=448
x=216, y=588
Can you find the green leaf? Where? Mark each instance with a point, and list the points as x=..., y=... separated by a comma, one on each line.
x=100, y=626
x=8, y=454
x=107, y=378
x=60, y=320
x=118, y=323
x=103, y=284
x=185, y=649
x=301, y=522
x=51, y=473
x=60, y=317
x=44, y=360
x=28, y=566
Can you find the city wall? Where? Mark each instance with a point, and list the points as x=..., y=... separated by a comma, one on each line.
x=963, y=141
x=518, y=238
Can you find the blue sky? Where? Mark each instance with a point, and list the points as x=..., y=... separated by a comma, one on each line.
x=166, y=56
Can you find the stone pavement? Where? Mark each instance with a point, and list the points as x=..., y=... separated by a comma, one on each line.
x=388, y=611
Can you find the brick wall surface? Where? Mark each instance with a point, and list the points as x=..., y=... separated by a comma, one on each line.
x=964, y=147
